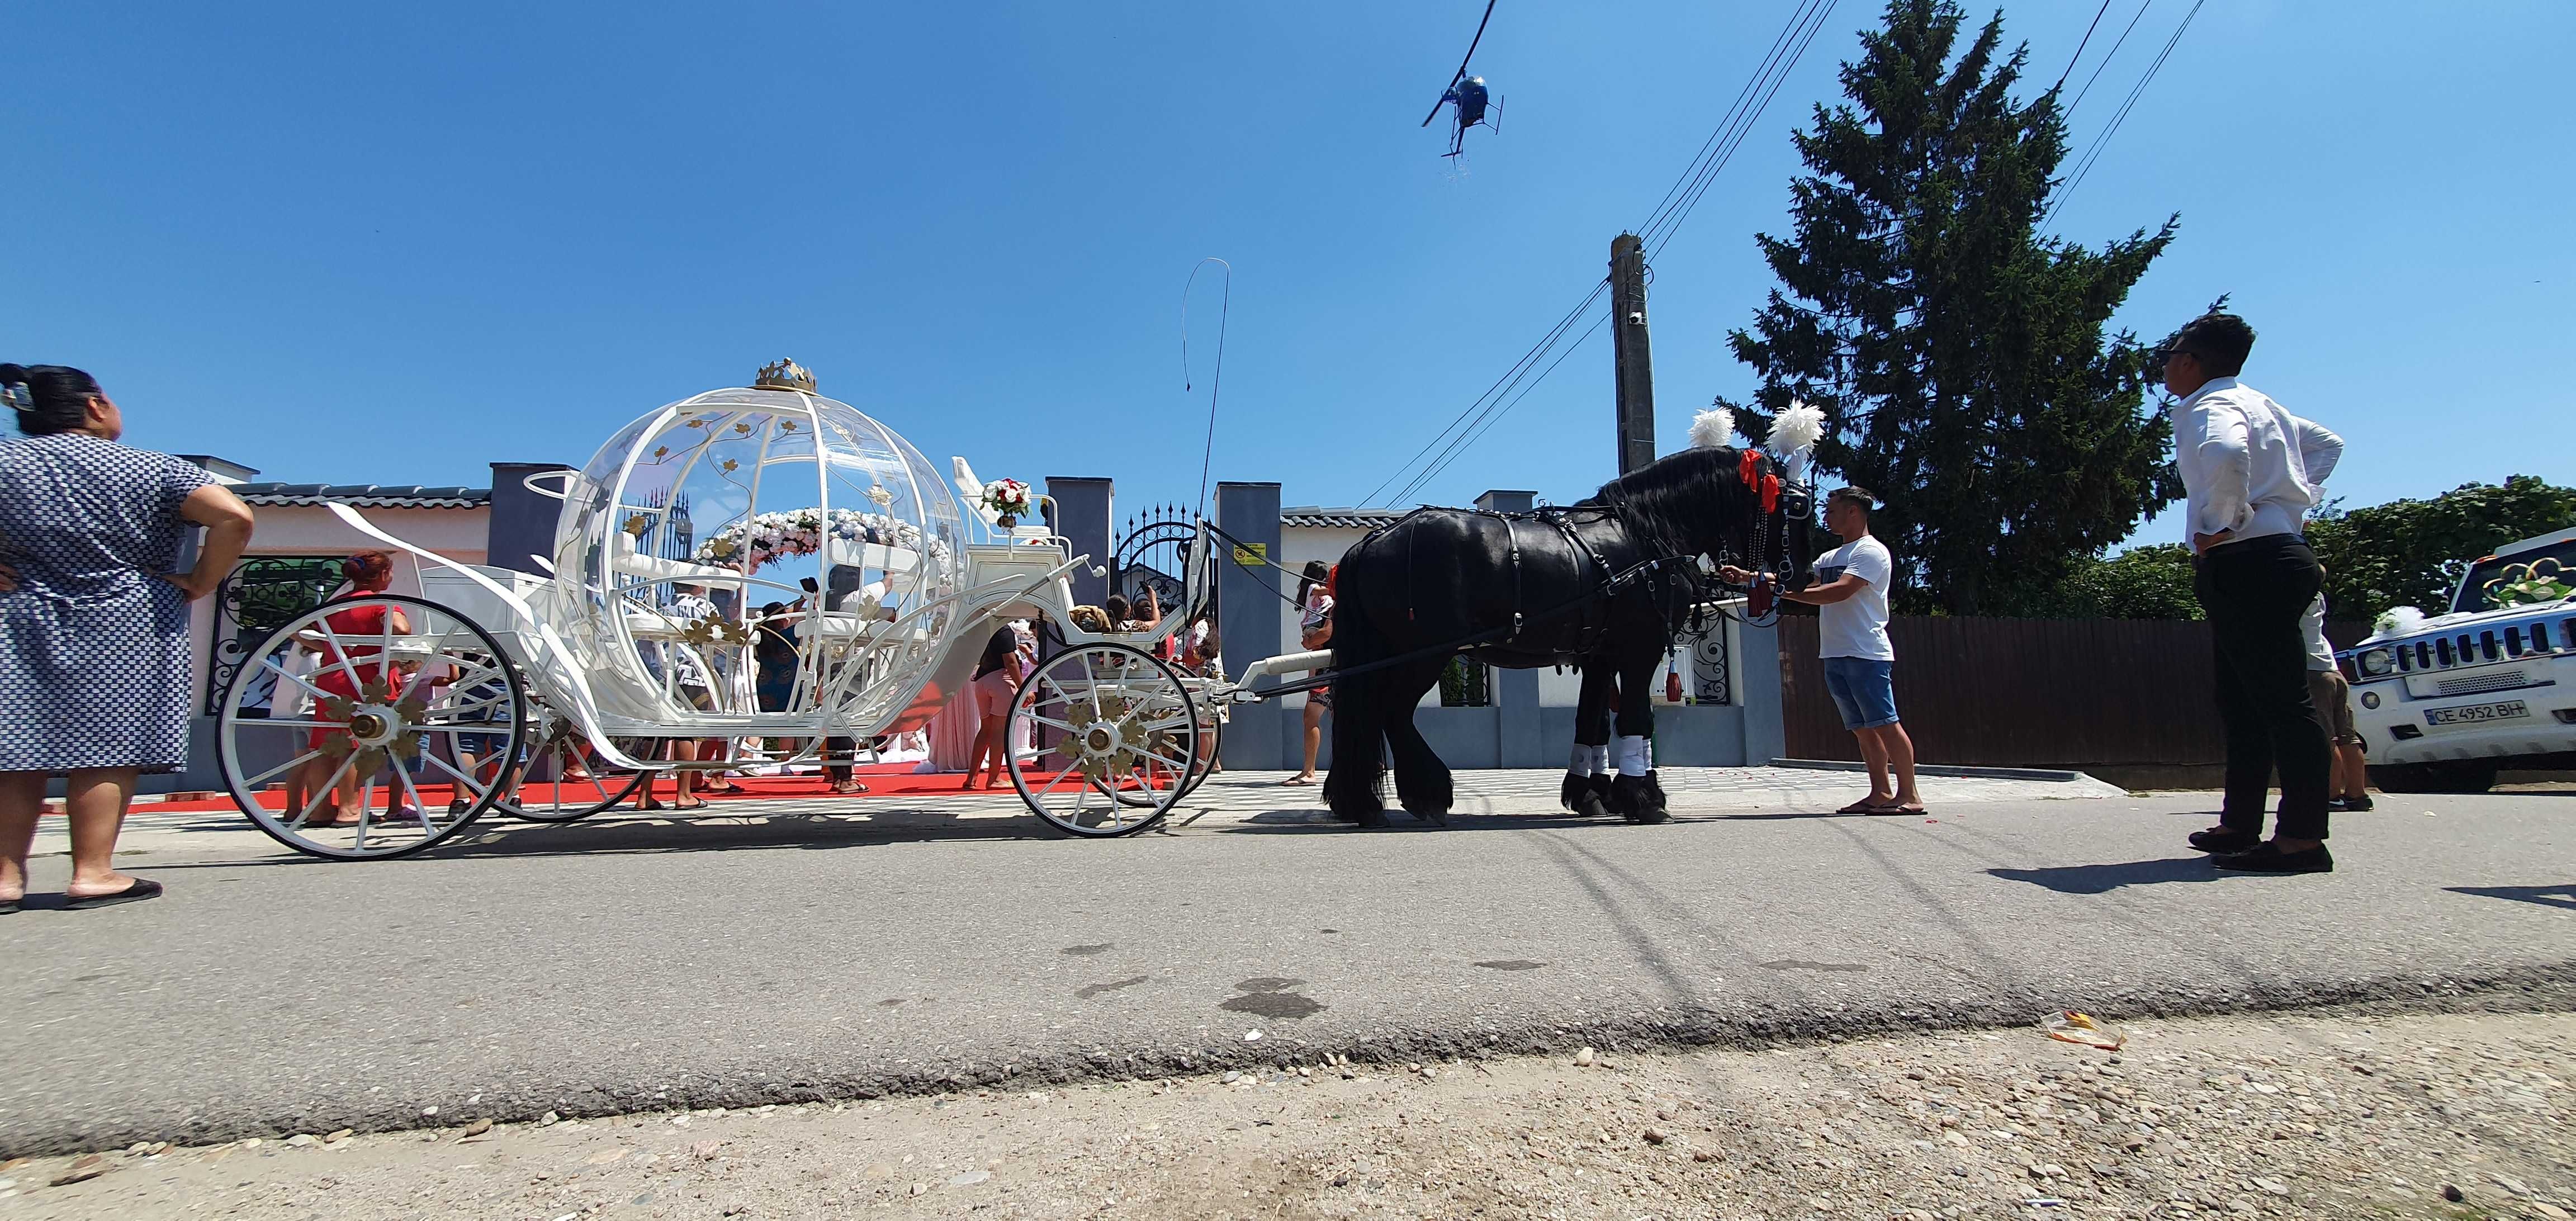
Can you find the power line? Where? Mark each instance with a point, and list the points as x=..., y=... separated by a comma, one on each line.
x=2113, y=128
x=2107, y=57
x=1490, y=399
x=1537, y=352
x=1744, y=128
x=1726, y=122
x=2078, y=57
x=1480, y=432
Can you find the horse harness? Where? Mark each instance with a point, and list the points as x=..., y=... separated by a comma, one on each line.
x=1592, y=601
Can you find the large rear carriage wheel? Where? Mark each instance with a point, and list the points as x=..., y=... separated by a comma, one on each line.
x=363, y=745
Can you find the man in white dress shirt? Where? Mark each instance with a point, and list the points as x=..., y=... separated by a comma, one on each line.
x=2252, y=471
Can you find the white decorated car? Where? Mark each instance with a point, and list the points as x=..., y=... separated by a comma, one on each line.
x=2443, y=701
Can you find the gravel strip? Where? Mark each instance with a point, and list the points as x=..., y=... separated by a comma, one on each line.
x=2301, y=1114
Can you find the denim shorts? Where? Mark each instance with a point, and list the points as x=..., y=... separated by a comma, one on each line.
x=1864, y=691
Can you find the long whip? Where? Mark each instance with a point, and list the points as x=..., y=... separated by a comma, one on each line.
x=1216, y=384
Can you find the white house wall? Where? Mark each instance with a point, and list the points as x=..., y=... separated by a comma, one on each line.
x=458, y=534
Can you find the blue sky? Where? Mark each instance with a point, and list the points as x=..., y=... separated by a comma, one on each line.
x=390, y=244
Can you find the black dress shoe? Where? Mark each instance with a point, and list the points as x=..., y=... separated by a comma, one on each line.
x=2223, y=839
x=2268, y=858
x=2349, y=805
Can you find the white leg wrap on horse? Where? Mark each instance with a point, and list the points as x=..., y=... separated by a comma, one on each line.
x=1650, y=754
x=1632, y=756
x=1582, y=764
x=1601, y=760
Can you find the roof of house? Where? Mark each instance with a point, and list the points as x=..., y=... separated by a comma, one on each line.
x=1317, y=517
x=363, y=495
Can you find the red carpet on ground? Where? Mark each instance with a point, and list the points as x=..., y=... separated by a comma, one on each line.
x=882, y=779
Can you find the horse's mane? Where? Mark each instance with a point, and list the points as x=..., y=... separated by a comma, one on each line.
x=1686, y=496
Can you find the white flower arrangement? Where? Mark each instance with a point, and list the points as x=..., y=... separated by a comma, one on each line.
x=1009, y=497
x=770, y=537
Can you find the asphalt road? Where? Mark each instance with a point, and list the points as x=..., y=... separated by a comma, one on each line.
x=623, y=966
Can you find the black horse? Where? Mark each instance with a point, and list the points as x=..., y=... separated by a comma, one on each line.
x=1604, y=583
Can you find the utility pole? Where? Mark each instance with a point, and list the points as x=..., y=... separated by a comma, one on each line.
x=1633, y=361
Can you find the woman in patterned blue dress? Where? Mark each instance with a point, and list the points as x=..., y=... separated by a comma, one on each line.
x=94, y=676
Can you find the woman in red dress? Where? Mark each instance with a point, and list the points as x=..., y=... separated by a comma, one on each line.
x=360, y=631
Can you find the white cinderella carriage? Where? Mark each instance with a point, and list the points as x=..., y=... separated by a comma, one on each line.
x=555, y=697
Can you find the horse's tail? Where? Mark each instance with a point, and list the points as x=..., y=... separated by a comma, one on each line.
x=1358, y=709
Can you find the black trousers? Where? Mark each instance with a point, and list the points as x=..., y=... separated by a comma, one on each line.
x=2255, y=593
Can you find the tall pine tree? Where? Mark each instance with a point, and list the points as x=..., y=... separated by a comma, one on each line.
x=1958, y=355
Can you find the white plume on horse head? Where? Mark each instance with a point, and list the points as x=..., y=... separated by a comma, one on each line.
x=1713, y=428
x=1797, y=428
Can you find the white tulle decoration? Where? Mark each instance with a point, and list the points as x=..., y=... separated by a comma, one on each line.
x=2400, y=621
x=1796, y=429
x=1713, y=428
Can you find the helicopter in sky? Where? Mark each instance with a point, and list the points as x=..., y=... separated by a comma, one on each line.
x=1469, y=97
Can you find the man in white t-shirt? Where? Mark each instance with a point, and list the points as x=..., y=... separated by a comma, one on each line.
x=1850, y=597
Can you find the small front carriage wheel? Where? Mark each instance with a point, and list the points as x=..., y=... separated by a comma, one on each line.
x=1117, y=738
x=564, y=780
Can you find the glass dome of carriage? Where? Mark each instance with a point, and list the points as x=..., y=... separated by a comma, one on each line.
x=714, y=484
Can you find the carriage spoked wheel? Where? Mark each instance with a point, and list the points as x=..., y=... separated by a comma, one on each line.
x=1211, y=738
x=562, y=780
x=372, y=727
x=1118, y=738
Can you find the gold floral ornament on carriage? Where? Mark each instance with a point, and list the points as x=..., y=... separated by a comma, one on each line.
x=758, y=495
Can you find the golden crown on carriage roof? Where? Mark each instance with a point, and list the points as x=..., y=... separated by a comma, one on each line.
x=784, y=375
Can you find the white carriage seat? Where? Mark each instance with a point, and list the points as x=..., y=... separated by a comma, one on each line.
x=654, y=568
x=846, y=625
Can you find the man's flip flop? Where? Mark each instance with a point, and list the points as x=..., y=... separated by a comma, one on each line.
x=1862, y=806
x=143, y=888
x=1294, y=782
x=1897, y=809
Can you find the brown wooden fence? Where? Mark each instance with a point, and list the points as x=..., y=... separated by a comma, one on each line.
x=2114, y=693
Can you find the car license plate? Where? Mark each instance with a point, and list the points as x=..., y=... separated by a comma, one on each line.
x=2476, y=712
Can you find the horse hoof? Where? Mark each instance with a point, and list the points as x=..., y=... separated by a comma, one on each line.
x=1589, y=806
x=1571, y=793
x=1374, y=819
x=1639, y=799
x=1437, y=818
